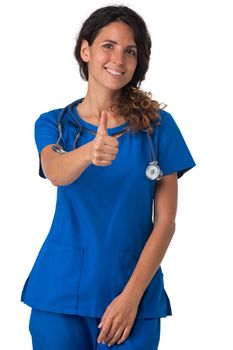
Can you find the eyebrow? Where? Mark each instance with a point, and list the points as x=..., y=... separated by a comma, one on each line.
x=114, y=42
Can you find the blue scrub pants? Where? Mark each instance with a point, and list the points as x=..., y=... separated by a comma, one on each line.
x=51, y=331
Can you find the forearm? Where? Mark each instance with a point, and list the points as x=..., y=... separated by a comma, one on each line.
x=63, y=169
x=150, y=259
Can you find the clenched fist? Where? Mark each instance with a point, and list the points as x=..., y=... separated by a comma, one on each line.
x=103, y=148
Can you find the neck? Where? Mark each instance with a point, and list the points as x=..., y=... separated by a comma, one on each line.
x=93, y=103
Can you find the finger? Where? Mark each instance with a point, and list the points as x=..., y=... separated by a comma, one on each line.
x=110, y=147
x=124, y=335
x=100, y=324
x=102, y=129
x=102, y=162
x=104, y=331
x=109, y=150
x=116, y=337
x=112, y=331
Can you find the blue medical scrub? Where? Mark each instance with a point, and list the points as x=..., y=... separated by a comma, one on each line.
x=102, y=221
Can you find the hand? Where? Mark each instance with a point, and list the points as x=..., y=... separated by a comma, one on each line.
x=118, y=320
x=103, y=148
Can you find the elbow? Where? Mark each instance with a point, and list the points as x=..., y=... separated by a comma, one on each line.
x=171, y=226
x=56, y=181
x=166, y=223
x=53, y=179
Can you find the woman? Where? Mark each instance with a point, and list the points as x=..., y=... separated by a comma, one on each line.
x=97, y=280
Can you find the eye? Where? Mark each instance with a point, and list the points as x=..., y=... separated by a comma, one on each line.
x=108, y=46
x=131, y=52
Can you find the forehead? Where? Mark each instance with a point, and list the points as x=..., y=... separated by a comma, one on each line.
x=117, y=31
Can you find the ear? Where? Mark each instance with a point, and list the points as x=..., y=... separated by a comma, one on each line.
x=84, y=50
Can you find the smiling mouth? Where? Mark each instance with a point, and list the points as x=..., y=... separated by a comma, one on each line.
x=114, y=72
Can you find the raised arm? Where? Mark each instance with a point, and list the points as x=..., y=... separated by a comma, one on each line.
x=63, y=169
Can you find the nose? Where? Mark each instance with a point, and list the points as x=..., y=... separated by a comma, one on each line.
x=118, y=57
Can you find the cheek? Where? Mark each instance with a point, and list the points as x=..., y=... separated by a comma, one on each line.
x=102, y=58
x=132, y=62
x=133, y=65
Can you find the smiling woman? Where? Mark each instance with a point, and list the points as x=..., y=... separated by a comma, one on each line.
x=120, y=44
x=111, y=57
x=97, y=277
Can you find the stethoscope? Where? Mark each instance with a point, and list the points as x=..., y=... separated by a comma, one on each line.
x=153, y=171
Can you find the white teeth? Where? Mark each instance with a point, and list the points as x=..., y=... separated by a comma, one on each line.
x=114, y=72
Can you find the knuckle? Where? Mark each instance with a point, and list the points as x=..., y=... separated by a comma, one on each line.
x=118, y=322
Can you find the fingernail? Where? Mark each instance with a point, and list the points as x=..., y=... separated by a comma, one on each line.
x=99, y=325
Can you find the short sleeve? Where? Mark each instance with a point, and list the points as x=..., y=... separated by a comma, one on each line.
x=173, y=152
x=45, y=132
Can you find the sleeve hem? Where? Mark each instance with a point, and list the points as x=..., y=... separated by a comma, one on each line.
x=180, y=171
x=41, y=173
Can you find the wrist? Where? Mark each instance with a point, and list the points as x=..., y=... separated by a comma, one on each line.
x=134, y=296
x=87, y=152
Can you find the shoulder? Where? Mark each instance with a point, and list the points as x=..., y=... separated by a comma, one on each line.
x=48, y=117
x=165, y=118
x=167, y=123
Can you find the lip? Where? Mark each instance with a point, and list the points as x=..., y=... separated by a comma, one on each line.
x=116, y=70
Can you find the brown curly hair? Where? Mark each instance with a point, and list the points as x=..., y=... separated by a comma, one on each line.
x=136, y=105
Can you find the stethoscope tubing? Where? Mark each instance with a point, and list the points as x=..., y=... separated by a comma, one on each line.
x=153, y=148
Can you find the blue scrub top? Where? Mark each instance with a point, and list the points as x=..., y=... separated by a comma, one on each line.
x=102, y=221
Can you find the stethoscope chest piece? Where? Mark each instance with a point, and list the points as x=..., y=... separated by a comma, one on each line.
x=153, y=171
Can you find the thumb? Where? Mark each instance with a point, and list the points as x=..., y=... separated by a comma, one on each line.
x=102, y=129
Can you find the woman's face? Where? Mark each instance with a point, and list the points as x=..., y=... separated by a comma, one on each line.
x=112, y=58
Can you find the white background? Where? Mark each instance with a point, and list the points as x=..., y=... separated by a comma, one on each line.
x=190, y=70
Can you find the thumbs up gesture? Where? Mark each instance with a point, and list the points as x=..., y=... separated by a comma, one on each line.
x=103, y=148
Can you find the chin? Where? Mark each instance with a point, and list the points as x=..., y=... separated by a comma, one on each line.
x=115, y=87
